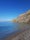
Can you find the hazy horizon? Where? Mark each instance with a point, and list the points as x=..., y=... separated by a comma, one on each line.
x=10, y=9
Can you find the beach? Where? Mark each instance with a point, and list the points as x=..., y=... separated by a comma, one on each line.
x=22, y=32
x=24, y=35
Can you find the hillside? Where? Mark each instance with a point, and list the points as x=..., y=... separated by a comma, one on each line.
x=25, y=18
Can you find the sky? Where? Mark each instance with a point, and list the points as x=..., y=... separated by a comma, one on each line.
x=10, y=9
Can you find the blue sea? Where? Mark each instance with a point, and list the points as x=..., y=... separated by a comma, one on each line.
x=7, y=28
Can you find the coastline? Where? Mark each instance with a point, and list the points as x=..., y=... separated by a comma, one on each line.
x=20, y=35
x=13, y=35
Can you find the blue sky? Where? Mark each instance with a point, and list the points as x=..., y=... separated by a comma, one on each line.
x=10, y=9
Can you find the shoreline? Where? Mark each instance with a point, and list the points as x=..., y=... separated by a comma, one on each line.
x=16, y=36
x=12, y=35
x=15, y=33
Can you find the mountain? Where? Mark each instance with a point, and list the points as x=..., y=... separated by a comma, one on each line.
x=25, y=17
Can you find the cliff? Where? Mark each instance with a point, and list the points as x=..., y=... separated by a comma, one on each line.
x=25, y=17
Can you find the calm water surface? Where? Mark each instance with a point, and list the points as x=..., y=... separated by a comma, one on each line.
x=7, y=27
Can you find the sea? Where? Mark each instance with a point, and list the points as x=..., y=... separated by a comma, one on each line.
x=7, y=28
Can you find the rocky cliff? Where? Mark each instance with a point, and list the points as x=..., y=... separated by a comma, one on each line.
x=25, y=17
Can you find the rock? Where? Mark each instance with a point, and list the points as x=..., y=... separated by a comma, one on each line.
x=25, y=17
x=23, y=36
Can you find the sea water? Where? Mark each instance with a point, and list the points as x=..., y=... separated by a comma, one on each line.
x=7, y=27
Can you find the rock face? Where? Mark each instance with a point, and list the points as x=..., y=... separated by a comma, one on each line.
x=24, y=17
